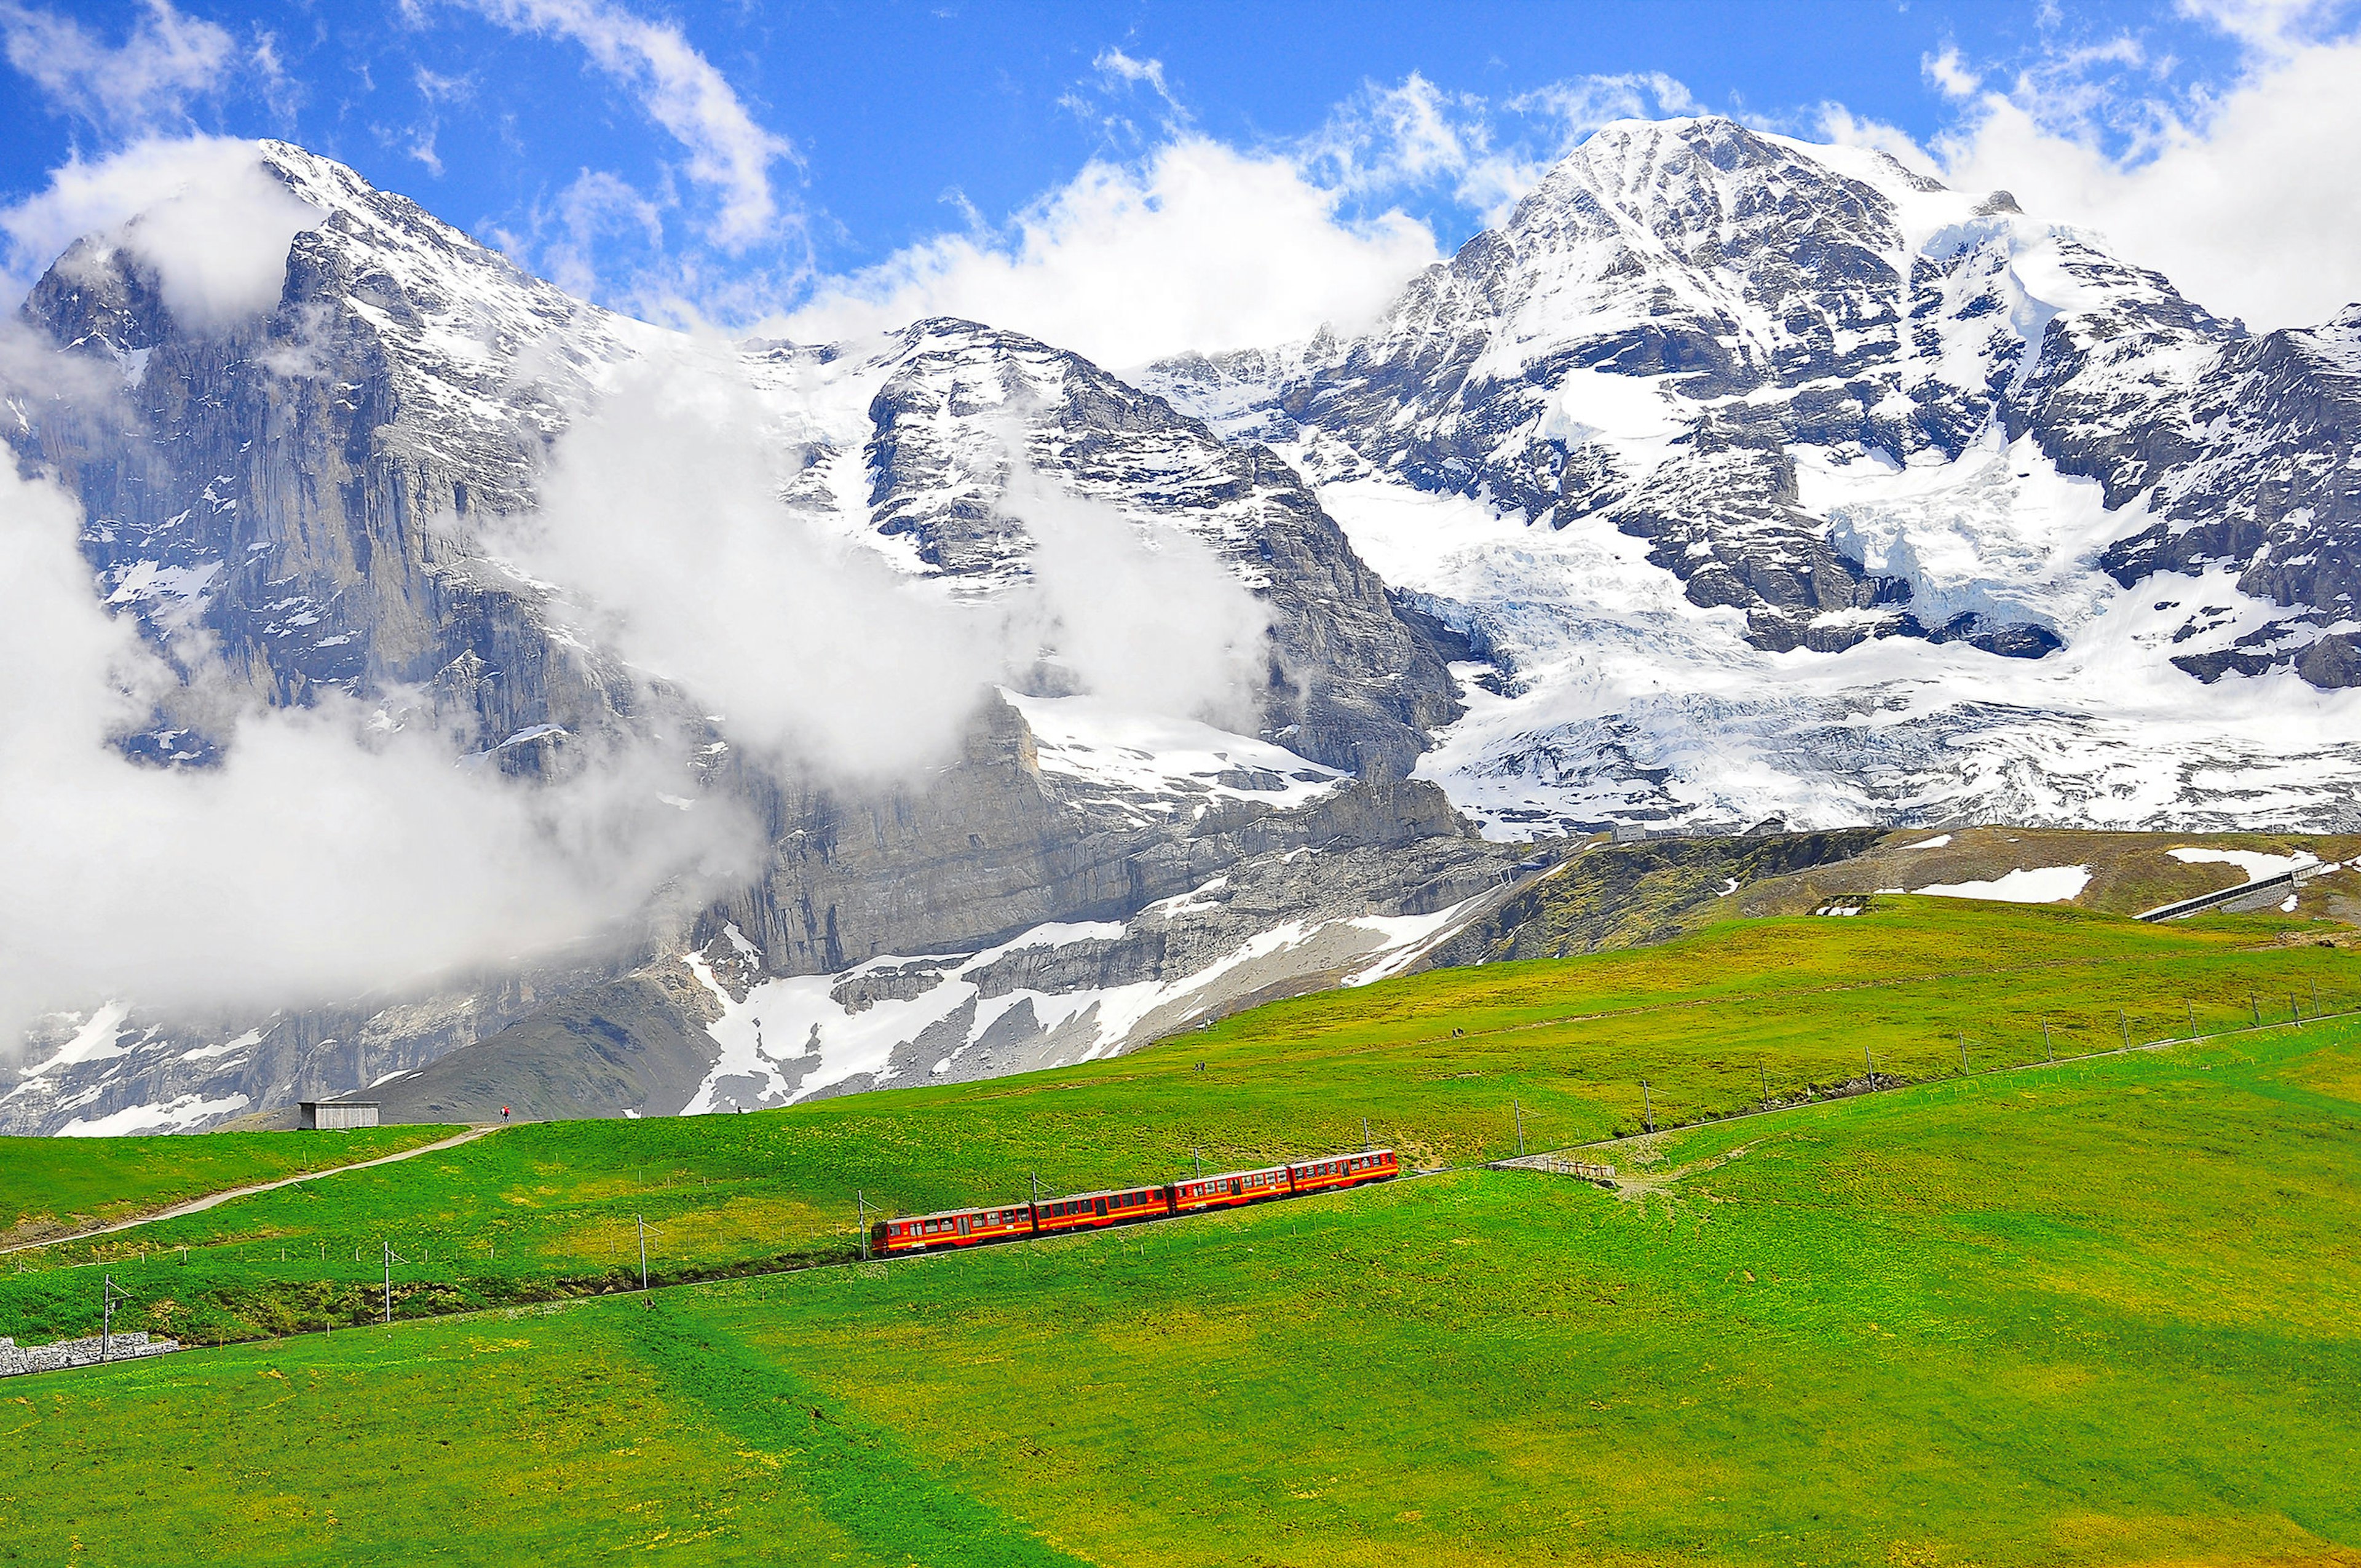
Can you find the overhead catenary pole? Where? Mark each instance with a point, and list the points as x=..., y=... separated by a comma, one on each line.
x=1365, y=1134
x=2047, y=1051
x=2188, y=1007
x=643, y=1252
x=1647, y=1107
x=1963, y=1050
x=1521, y=1127
x=860, y=1209
x=388, y=1278
x=2124, y=1024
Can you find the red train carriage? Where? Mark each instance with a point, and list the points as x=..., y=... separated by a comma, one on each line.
x=1232, y=1189
x=1344, y=1171
x=1096, y=1211
x=953, y=1228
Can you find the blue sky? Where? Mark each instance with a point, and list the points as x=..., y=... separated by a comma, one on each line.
x=729, y=161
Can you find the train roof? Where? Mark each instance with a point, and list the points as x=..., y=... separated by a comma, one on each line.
x=1136, y=1187
x=1107, y=1191
x=954, y=1214
x=1225, y=1175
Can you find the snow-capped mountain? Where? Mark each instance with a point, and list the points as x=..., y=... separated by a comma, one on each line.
x=1775, y=479
x=304, y=488
x=1732, y=479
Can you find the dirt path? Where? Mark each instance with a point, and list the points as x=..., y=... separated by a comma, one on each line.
x=198, y=1205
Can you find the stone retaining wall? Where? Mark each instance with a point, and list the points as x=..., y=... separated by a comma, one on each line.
x=16, y=1359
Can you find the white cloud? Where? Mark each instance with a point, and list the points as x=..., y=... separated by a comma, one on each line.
x=728, y=153
x=2268, y=26
x=663, y=527
x=1119, y=66
x=660, y=522
x=2249, y=199
x=1199, y=247
x=1202, y=246
x=1414, y=135
x=201, y=211
x=596, y=204
x=1143, y=614
x=322, y=858
x=144, y=83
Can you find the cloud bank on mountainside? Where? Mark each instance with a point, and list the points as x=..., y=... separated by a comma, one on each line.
x=334, y=850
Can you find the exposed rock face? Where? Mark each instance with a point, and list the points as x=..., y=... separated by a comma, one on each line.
x=1832, y=403
x=952, y=409
x=1737, y=479
x=1359, y=883
x=1725, y=295
x=276, y=484
x=2269, y=492
x=302, y=489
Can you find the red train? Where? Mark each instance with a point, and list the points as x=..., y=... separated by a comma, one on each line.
x=1128, y=1205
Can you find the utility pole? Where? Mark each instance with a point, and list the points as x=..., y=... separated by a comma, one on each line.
x=108, y=1294
x=1647, y=1106
x=643, y=1252
x=1520, y=1128
x=861, y=1207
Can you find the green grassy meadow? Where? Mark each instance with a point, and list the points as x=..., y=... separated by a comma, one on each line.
x=2102, y=1313
x=1439, y=1064
x=49, y=1185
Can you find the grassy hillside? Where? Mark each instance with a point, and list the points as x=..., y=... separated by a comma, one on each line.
x=2097, y=1313
x=50, y=1186
x=1437, y=1063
